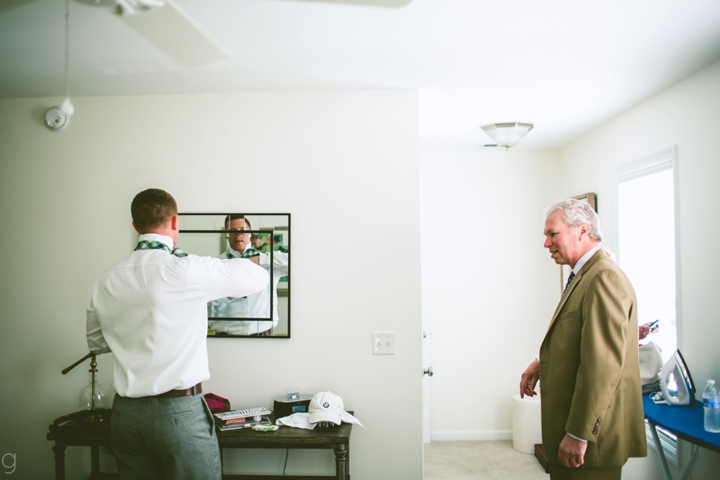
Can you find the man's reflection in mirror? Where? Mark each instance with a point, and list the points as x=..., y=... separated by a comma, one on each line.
x=259, y=242
x=252, y=306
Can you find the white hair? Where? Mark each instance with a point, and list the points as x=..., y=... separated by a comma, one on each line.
x=576, y=213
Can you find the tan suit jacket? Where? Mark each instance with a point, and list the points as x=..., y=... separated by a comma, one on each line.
x=589, y=372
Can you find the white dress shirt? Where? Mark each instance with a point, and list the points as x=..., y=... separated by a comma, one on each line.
x=150, y=311
x=583, y=260
x=251, y=306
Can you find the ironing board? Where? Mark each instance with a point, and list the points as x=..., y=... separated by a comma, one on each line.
x=686, y=422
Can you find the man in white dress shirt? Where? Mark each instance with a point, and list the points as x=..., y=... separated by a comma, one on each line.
x=149, y=310
x=250, y=306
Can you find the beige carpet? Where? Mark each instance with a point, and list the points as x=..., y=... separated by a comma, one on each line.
x=496, y=460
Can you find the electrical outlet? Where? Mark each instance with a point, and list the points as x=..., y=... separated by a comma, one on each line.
x=383, y=343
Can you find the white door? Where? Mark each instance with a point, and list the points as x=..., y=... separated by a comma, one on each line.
x=427, y=373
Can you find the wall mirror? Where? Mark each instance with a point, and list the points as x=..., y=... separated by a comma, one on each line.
x=262, y=238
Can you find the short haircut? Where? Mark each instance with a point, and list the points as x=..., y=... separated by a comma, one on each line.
x=236, y=216
x=576, y=213
x=152, y=208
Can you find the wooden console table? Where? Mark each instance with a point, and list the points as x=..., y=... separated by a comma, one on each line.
x=76, y=433
x=335, y=438
x=72, y=431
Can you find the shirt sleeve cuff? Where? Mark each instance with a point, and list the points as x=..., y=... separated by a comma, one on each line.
x=577, y=438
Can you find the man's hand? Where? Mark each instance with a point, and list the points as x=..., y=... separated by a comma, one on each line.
x=644, y=330
x=529, y=379
x=572, y=452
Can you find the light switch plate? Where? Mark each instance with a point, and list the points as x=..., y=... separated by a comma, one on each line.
x=383, y=343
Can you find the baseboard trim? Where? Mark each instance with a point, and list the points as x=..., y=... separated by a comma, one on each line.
x=470, y=436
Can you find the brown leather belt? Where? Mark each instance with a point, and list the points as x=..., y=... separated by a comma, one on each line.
x=182, y=393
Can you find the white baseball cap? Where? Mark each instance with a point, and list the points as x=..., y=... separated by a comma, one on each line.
x=326, y=407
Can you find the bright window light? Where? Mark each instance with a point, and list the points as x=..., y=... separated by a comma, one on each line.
x=646, y=246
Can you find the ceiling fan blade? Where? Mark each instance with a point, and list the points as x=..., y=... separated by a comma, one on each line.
x=374, y=3
x=7, y=4
x=177, y=34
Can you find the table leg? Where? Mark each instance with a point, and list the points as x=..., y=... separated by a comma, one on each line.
x=691, y=464
x=59, y=450
x=94, y=461
x=341, y=462
x=661, y=453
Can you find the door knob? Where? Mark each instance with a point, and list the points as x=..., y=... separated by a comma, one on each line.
x=428, y=372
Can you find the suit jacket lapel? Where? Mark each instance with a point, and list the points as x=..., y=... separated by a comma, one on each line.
x=597, y=256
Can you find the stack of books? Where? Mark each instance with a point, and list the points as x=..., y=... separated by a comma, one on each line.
x=246, y=418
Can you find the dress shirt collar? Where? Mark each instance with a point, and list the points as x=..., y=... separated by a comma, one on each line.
x=150, y=237
x=583, y=260
x=234, y=253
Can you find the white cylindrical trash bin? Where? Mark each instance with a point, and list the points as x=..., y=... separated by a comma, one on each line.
x=527, y=429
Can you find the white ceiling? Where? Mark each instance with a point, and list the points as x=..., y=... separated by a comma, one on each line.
x=565, y=65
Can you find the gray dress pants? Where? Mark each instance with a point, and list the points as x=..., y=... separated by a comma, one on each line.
x=165, y=438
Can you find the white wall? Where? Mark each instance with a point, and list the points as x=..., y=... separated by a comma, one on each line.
x=489, y=287
x=344, y=164
x=685, y=115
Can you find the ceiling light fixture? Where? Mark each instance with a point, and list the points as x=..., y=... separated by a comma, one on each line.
x=507, y=134
x=57, y=118
x=135, y=7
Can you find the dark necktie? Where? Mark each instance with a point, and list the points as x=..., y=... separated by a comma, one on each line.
x=572, y=275
x=155, y=245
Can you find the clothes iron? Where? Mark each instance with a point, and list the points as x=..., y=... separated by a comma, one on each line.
x=675, y=381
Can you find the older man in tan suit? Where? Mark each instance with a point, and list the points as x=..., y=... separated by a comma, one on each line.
x=592, y=413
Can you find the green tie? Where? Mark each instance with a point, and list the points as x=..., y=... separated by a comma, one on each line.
x=250, y=252
x=155, y=245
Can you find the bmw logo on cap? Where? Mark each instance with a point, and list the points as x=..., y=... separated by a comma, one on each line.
x=326, y=405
